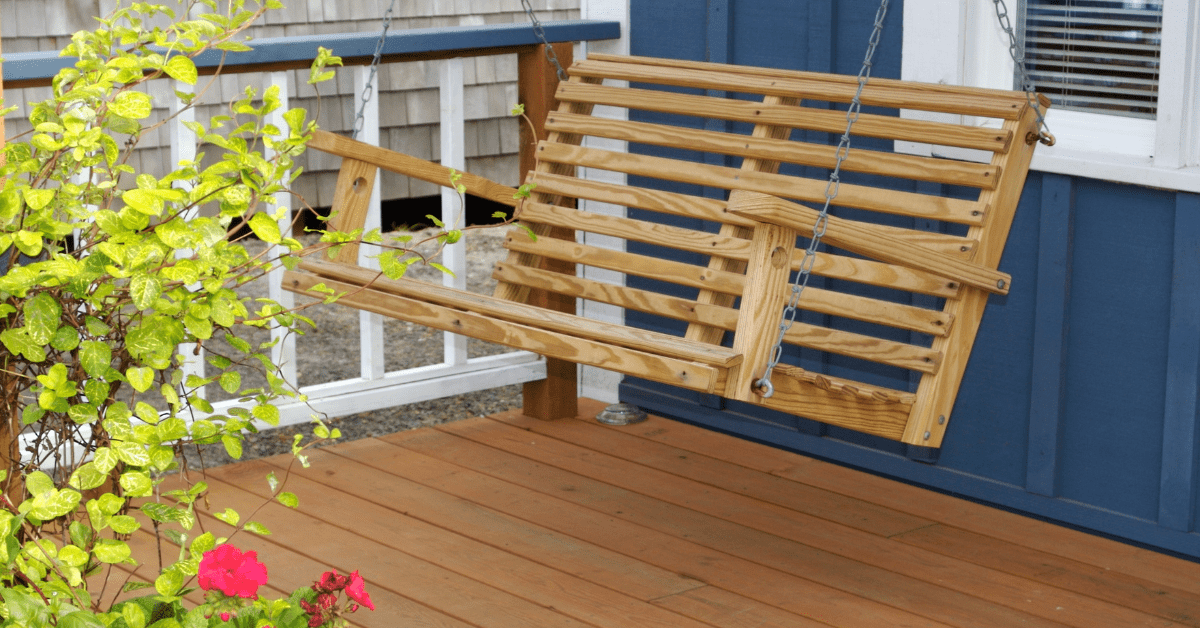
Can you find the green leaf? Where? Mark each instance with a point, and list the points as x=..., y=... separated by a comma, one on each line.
x=37, y=199
x=65, y=339
x=230, y=381
x=288, y=499
x=203, y=543
x=28, y=242
x=265, y=228
x=38, y=483
x=295, y=119
x=229, y=516
x=266, y=413
x=87, y=477
x=24, y=609
x=132, y=453
x=140, y=377
x=168, y=583
x=133, y=614
x=80, y=619
x=83, y=413
x=233, y=446
x=131, y=104
x=73, y=556
x=136, y=483
x=182, y=69
x=257, y=528
x=173, y=428
x=18, y=341
x=145, y=289
x=96, y=358
x=144, y=201
x=124, y=524
x=42, y=317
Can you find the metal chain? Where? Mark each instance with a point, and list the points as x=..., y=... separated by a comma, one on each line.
x=831, y=191
x=369, y=89
x=541, y=35
x=1044, y=135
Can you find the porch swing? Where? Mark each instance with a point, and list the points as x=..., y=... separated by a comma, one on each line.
x=926, y=289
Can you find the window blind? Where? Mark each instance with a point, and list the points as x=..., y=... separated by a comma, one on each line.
x=1095, y=55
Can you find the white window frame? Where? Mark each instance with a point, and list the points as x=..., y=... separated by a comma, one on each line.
x=959, y=42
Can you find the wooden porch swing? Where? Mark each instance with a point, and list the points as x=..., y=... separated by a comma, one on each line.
x=935, y=285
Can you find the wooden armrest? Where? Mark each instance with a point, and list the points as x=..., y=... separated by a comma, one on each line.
x=866, y=239
x=410, y=166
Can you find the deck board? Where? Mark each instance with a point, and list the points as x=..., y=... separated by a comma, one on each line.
x=507, y=521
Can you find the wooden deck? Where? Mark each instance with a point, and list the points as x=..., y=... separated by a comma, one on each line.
x=508, y=521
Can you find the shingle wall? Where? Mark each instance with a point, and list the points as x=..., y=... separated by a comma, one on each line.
x=408, y=92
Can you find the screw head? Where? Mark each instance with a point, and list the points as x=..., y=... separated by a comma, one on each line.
x=927, y=435
x=1000, y=283
x=942, y=420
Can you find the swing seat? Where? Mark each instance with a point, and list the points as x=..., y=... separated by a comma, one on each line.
x=911, y=250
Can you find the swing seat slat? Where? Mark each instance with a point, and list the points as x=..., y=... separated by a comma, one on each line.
x=910, y=254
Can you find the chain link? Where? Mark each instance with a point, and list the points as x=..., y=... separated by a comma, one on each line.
x=541, y=35
x=1014, y=50
x=764, y=385
x=369, y=89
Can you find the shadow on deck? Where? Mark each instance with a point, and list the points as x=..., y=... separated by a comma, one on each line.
x=508, y=521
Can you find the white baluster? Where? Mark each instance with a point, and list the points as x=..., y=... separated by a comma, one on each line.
x=370, y=325
x=283, y=353
x=183, y=148
x=454, y=216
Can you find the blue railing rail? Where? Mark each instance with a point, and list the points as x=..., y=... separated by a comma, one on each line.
x=32, y=69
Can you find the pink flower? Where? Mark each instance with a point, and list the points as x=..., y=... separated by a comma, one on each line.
x=226, y=615
x=228, y=570
x=357, y=590
x=330, y=582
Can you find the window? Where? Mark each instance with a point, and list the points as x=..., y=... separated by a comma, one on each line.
x=1095, y=55
x=1124, y=76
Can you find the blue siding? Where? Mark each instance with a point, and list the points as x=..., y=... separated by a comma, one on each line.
x=1080, y=400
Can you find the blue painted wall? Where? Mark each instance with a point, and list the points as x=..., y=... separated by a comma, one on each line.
x=1080, y=401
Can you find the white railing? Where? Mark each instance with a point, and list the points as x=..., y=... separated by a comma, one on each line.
x=374, y=388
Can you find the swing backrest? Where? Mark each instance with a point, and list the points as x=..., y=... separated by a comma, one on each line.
x=882, y=344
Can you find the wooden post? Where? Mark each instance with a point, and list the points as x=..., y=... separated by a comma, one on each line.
x=556, y=396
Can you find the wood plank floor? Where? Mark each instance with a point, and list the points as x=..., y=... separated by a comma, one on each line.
x=510, y=522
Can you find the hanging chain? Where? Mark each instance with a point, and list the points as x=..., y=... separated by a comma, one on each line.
x=369, y=89
x=764, y=385
x=1018, y=56
x=541, y=35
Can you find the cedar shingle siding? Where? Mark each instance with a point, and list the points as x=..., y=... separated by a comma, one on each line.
x=408, y=102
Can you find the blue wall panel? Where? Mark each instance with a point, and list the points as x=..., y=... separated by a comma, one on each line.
x=1120, y=301
x=1080, y=400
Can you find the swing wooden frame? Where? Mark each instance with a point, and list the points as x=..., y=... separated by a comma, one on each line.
x=925, y=288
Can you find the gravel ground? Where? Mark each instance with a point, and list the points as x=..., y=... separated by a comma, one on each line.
x=330, y=353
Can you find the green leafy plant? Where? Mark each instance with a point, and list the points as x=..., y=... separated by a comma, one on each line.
x=114, y=279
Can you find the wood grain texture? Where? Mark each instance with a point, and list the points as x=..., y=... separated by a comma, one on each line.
x=936, y=393
x=866, y=239
x=821, y=156
x=801, y=334
x=621, y=335
x=869, y=125
x=716, y=335
x=351, y=201
x=668, y=370
x=761, y=310
x=555, y=396
x=979, y=101
x=410, y=166
x=862, y=197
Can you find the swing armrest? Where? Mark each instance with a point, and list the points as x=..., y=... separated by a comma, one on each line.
x=410, y=166
x=867, y=240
